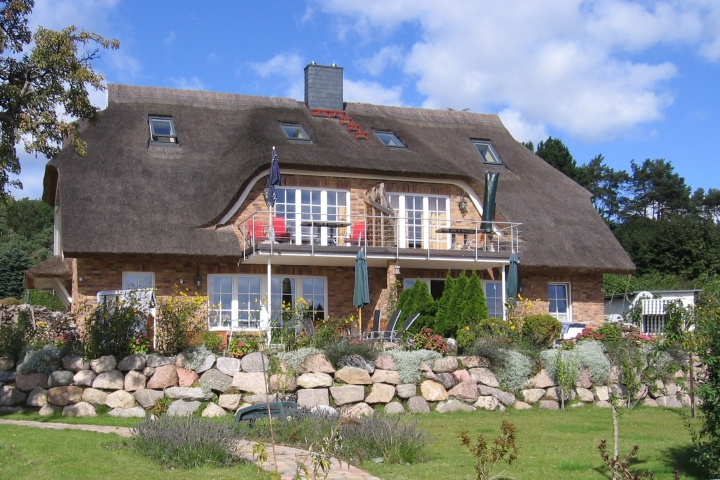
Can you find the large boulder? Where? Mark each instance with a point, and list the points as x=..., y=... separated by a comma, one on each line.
x=37, y=398
x=467, y=391
x=253, y=382
x=84, y=378
x=487, y=403
x=462, y=376
x=549, y=405
x=213, y=410
x=82, y=409
x=394, y=408
x=216, y=380
x=6, y=364
x=112, y=380
x=385, y=362
x=504, y=397
x=147, y=397
x=585, y=395
x=312, y=397
x=433, y=391
x=602, y=393
x=181, y=408
x=9, y=395
x=134, y=380
x=473, y=361
x=206, y=364
x=445, y=365
x=120, y=399
x=418, y=405
x=380, y=393
x=670, y=402
x=255, y=362
x=583, y=380
x=406, y=390
x=75, y=363
x=347, y=394
x=358, y=362
x=453, y=405
x=314, y=380
x=49, y=410
x=541, y=380
x=188, y=393
x=358, y=410
x=282, y=382
x=62, y=396
x=164, y=377
x=94, y=396
x=186, y=378
x=104, y=364
x=446, y=379
x=31, y=381
x=228, y=365
x=229, y=401
x=533, y=395
x=317, y=363
x=155, y=361
x=136, y=362
x=484, y=376
x=353, y=376
x=386, y=376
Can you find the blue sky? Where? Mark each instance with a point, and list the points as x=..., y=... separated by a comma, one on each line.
x=626, y=79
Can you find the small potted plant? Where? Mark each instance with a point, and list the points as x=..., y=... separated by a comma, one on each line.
x=243, y=345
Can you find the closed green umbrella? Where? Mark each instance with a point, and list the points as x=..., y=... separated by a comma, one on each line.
x=361, y=292
x=512, y=279
x=488, y=216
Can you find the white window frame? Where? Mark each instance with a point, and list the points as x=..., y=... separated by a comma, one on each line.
x=567, y=316
x=324, y=232
x=161, y=139
x=502, y=305
x=263, y=297
x=425, y=224
x=125, y=276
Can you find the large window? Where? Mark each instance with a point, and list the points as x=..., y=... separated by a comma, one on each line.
x=419, y=218
x=236, y=300
x=318, y=214
x=559, y=301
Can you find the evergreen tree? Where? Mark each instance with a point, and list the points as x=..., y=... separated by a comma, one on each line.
x=554, y=152
x=443, y=304
x=456, y=305
x=13, y=263
x=417, y=299
x=475, y=304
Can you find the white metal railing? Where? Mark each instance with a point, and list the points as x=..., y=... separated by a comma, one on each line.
x=341, y=230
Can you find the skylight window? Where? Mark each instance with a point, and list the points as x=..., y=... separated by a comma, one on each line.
x=162, y=130
x=294, y=131
x=487, y=152
x=389, y=139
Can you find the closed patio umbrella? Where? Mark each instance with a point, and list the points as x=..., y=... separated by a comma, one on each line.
x=361, y=292
x=512, y=279
x=488, y=215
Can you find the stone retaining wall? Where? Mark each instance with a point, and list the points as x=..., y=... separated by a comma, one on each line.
x=134, y=384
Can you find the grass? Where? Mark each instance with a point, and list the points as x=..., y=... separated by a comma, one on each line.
x=560, y=445
x=70, y=454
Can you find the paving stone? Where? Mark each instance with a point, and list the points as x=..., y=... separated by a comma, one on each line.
x=112, y=380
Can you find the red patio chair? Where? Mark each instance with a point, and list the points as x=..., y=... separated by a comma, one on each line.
x=280, y=228
x=255, y=230
x=357, y=233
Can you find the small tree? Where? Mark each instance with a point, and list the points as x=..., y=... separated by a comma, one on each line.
x=417, y=299
x=455, y=307
x=181, y=320
x=475, y=304
x=13, y=263
x=443, y=304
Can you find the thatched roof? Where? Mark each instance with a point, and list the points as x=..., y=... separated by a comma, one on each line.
x=127, y=197
x=53, y=267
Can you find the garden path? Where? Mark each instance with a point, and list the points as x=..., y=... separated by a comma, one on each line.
x=286, y=456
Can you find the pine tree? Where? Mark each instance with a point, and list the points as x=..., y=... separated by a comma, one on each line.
x=475, y=304
x=456, y=305
x=443, y=304
x=13, y=263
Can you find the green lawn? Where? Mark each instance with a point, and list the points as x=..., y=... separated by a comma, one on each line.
x=552, y=445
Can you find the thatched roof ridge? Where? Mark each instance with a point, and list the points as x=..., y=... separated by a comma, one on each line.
x=128, y=197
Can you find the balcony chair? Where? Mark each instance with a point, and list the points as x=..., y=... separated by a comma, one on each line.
x=406, y=326
x=282, y=234
x=375, y=325
x=357, y=234
x=255, y=230
x=389, y=332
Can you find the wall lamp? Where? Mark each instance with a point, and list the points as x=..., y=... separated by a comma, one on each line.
x=397, y=269
x=463, y=204
x=198, y=279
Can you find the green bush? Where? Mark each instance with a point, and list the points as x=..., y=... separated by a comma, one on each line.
x=612, y=332
x=344, y=347
x=188, y=442
x=180, y=322
x=110, y=329
x=46, y=360
x=541, y=330
x=46, y=298
x=14, y=338
x=475, y=309
x=213, y=341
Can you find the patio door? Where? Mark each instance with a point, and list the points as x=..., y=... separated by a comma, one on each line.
x=419, y=217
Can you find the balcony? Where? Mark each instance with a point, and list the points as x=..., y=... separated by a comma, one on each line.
x=335, y=240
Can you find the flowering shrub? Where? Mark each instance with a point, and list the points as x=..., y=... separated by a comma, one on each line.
x=181, y=320
x=62, y=341
x=243, y=345
x=140, y=343
x=427, y=340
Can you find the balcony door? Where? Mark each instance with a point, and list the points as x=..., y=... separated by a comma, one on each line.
x=419, y=217
x=303, y=207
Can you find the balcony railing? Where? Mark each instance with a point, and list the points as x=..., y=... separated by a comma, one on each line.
x=383, y=232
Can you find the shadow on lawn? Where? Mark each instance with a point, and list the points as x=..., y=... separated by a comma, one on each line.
x=680, y=458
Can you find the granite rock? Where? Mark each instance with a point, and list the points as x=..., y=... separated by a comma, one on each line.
x=353, y=376
x=228, y=365
x=63, y=396
x=418, y=405
x=216, y=380
x=112, y=380
x=165, y=376
x=84, y=378
x=312, y=397
x=81, y=409
x=137, y=362
x=181, y=408
x=380, y=393
x=75, y=363
x=347, y=394
x=104, y=364
x=134, y=380
x=255, y=362
x=453, y=405
x=120, y=399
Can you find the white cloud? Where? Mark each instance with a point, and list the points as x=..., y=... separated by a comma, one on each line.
x=371, y=92
x=282, y=64
x=520, y=129
x=85, y=14
x=574, y=65
x=126, y=67
x=390, y=55
x=193, y=83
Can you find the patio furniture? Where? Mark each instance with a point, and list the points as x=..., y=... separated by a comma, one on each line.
x=280, y=229
x=375, y=325
x=356, y=234
x=389, y=332
x=255, y=230
x=279, y=410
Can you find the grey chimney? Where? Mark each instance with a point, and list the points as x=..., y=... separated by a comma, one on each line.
x=324, y=87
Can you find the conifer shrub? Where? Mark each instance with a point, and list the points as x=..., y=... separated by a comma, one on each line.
x=417, y=299
x=541, y=330
x=475, y=308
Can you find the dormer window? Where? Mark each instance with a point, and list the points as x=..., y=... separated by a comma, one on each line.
x=487, y=152
x=162, y=131
x=293, y=131
x=389, y=139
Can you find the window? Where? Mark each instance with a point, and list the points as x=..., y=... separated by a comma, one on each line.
x=295, y=132
x=302, y=206
x=135, y=280
x=487, y=152
x=559, y=301
x=162, y=130
x=389, y=139
x=494, y=298
x=419, y=218
x=236, y=300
